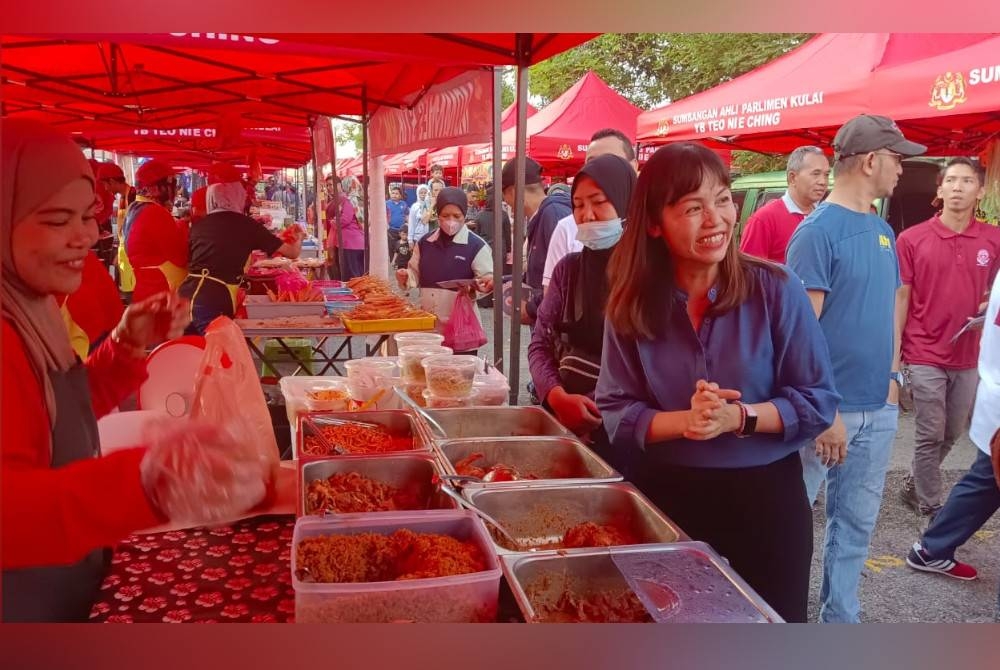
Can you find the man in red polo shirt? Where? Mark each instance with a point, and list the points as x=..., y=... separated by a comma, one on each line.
x=947, y=265
x=156, y=244
x=768, y=229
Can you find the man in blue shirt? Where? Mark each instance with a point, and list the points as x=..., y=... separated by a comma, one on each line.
x=397, y=212
x=846, y=258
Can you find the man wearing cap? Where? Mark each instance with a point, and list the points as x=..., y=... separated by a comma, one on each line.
x=543, y=213
x=845, y=256
x=156, y=245
x=564, y=242
x=451, y=252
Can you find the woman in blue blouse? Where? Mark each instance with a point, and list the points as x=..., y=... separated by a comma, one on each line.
x=714, y=373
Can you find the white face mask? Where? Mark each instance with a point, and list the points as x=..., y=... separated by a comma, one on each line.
x=450, y=227
x=599, y=235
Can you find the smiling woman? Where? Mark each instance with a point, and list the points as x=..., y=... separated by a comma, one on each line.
x=705, y=346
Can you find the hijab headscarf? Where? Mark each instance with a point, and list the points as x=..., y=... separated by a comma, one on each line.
x=452, y=196
x=37, y=162
x=228, y=197
x=613, y=175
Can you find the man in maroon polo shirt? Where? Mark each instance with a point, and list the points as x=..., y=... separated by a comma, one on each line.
x=768, y=229
x=947, y=265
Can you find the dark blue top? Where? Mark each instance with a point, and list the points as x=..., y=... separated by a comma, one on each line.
x=553, y=209
x=770, y=348
x=851, y=257
x=397, y=212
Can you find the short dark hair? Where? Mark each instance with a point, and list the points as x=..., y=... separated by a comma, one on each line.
x=963, y=160
x=436, y=167
x=614, y=132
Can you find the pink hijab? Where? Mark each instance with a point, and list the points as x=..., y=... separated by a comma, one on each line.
x=36, y=161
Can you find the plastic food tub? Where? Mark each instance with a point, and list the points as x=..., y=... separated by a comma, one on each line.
x=432, y=401
x=370, y=378
x=451, y=376
x=490, y=390
x=411, y=358
x=409, y=339
x=466, y=598
x=295, y=390
x=328, y=395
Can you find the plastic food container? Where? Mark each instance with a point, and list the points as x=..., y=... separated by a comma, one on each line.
x=437, y=402
x=327, y=395
x=466, y=598
x=295, y=391
x=490, y=390
x=370, y=378
x=412, y=356
x=410, y=339
x=451, y=376
x=415, y=392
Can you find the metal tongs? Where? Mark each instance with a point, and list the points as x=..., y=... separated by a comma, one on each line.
x=421, y=412
x=336, y=448
x=444, y=484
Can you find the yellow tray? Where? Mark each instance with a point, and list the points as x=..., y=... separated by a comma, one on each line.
x=389, y=325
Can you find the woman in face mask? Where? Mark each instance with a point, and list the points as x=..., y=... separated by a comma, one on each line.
x=451, y=252
x=565, y=351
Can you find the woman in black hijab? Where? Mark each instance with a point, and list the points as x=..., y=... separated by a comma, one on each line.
x=565, y=351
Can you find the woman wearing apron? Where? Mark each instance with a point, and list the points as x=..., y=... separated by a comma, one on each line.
x=220, y=248
x=63, y=505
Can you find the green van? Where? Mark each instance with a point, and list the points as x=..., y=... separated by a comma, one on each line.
x=910, y=203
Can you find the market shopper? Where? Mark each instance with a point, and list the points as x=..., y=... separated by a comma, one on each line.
x=419, y=214
x=156, y=245
x=397, y=214
x=714, y=374
x=564, y=356
x=846, y=258
x=343, y=228
x=564, y=240
x=769, y=229
x=63, y=504
x=451, y=252
x=976, y=497
x=543, y=213
x=220, y=249
x=946, y=265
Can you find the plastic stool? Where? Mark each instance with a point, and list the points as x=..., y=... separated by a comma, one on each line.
x=273, y=351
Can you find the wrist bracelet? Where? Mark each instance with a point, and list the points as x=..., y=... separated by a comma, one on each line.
x=743, y=418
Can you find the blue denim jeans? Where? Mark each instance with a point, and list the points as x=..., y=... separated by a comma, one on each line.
x=853, y=497
x=970, y=504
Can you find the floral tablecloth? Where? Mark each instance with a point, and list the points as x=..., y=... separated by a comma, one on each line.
x=237, y=573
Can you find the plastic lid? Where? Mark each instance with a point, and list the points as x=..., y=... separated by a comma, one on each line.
x=172, y=369
x=460, y=362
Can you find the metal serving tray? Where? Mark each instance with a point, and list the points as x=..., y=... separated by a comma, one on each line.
x=693, y=585
x=539, y=516
x=402, y=471
x=497, y=422
x=400, y=424
x=553, y=460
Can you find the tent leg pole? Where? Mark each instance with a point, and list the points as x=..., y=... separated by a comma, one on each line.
x=498, y=241
x=523, y=58
x=364, y=172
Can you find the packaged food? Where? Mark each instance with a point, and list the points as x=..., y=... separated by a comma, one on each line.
x=411, y=358
x=451, y=376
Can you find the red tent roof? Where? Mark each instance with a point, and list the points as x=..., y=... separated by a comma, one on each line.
x=805, y=95
x=559, y=133
x=508, y=117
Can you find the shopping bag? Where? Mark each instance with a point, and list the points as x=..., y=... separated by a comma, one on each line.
x=463, y=332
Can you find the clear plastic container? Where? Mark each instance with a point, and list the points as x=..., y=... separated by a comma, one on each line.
x=451, y=376
x=412, y=356
x=296, y=389
x=456, y=599
x=370, y=378
x=327, y=395
x=415, y=393
x=415, y=338
x=490, y=390
x=432, y=401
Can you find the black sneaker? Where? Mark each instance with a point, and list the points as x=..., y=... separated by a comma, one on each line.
x=908, y=494
x=919, y=560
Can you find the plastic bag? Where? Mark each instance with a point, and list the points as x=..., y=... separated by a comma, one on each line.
x=227, y=392
x=290, y=280
x=463, y=332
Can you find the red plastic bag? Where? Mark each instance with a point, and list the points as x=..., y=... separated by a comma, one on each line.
x=291, y=281
x=463, y=332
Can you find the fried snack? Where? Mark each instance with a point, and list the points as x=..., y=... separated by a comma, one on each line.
x=618, y=607
x=352, y=492
x=307, y=294
x=370, y=557
x=367, y=286
x=352, y=438
x=589, y=534
x=450, y=382
x=385, y=307
x=328, y=395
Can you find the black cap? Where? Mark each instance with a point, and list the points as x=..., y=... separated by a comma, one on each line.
x=452, y=196
x=867, y=132
x=532, y=172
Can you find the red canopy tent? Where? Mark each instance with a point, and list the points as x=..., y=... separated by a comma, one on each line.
x=805, y=95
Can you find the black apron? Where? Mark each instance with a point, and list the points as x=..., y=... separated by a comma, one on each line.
x=63, y=593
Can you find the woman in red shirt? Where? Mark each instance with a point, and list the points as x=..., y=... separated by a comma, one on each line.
x=62, y=503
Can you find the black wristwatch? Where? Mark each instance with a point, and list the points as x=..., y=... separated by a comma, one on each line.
x=748, y=426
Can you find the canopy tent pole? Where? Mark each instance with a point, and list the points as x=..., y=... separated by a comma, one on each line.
x=523, y=57
x=317, y=180
x=498, y=241
x=365, y=119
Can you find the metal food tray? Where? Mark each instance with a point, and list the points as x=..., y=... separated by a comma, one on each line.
x=702, y=595
x=262, y=307
x=400, y=424
x=554, y=460
x=497, y=422
x=539, y=516
x=399, y=471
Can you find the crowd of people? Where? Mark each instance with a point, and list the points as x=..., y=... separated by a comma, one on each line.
x=710, y=371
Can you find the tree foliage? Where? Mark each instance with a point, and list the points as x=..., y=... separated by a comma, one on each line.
x=348, y=134
x=651, y=69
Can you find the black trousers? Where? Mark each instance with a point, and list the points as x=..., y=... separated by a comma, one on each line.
x=758, y=518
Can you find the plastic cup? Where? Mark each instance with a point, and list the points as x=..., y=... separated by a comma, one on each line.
x=451, y=376
x=411, y=358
